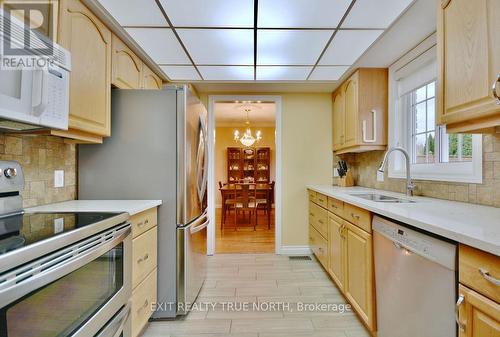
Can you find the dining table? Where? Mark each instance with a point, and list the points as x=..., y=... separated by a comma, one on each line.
x=261, y=188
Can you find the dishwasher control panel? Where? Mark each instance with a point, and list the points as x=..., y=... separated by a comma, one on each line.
x=412, y=241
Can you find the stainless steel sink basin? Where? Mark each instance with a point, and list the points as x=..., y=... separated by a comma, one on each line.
x=380, y=197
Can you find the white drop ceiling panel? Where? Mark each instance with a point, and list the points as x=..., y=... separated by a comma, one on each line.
x=213, y=13
x=219, y=46
x=279, y=73
x=227, y=73
x=181, y=73
x=135, y=12
x=375, y=14
x=348, y=45
x=160, y=44
x=328, y=73
x=301, y=13
x=290, y=47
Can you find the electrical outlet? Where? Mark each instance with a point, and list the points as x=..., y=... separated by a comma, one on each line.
x=335, y=172
x=58, y=225
x=59, y=178
x=380, y=176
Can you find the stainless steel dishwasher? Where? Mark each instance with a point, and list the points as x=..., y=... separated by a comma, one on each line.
x=415, y=276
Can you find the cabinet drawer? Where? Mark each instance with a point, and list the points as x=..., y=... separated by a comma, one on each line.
x=144, y=221
x=143, y=297
x=336, y=206
x=318, y=218
x=470, y=264
x=144, y=253
x=319, y=246
x=322, y=200
x=358, y=216
x=312, y=196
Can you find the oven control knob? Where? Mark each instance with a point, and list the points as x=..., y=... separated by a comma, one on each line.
x=10, y=172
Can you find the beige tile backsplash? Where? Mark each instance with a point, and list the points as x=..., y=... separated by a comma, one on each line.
x=39, y=156
x=364, y=166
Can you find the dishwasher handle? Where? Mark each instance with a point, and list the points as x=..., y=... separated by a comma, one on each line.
x=460, y=301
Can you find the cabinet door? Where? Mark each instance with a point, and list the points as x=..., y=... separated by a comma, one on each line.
x=89, y=42
x=338, y=119
x=127, y=67
x=150, y=79
x=319, y=246
x=478, y=315
x=469, y=58
x=336, y=249
x=359, y=280
x=351, y=111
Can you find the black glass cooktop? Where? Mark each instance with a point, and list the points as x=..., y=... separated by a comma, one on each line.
x=22, y=230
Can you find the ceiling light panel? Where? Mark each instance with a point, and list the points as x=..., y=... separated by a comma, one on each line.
x=328, y=73
x=348, y=45
x=181, y=73
x=219, y=46
x=135, y=12
x=227, y=73
x=375, y=14
x=277, y=73
x=160, y=44
x=301, y=13
x=290, y=47
x=213, y=13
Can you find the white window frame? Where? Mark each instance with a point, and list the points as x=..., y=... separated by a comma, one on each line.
x=400, y=126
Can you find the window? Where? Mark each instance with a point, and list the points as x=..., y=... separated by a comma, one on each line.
x=435, y=154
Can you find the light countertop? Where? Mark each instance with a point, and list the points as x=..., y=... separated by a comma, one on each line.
x=474, y=225
x=114, y=206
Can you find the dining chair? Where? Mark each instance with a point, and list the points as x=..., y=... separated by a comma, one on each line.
x=228, y=200
x=245, y=200
x=264, y=201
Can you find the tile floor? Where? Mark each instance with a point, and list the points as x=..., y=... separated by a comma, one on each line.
x=267, y=279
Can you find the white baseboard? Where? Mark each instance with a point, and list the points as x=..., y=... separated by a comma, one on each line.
x=295, y=250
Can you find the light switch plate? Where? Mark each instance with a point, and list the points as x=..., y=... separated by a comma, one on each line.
x=59, y=178
x=380, y=176
x=335, y=172
x=58, y=225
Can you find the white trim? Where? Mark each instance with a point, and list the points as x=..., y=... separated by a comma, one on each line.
x=212, y=99
x=465, y=172
x=296, y=250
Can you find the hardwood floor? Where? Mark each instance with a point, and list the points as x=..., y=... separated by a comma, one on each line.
x=306, y=302
x=244, y=239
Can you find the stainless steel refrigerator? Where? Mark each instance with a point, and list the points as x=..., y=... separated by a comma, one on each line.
x=158, y=150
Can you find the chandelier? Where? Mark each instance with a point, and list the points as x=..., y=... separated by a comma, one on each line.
x=247, y=139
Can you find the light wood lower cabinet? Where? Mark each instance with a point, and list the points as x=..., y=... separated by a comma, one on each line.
x=359, y=285
x=144, y=267
x=349, y=252
x=143, y=298
x=478, y=315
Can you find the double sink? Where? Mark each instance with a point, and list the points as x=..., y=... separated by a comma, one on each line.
x=380, y=198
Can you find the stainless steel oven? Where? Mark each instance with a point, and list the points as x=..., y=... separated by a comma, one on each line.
x=82, y=289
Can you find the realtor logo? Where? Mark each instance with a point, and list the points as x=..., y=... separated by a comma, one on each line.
x=27, y=28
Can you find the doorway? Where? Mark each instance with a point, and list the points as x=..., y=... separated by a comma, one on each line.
x=245, y=147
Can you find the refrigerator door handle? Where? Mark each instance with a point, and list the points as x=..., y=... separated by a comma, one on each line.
x=200, y=227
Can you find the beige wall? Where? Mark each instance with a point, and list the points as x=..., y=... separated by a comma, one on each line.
x=224, y=139
x=488, y=193
x=306, y=156
x=39, y=156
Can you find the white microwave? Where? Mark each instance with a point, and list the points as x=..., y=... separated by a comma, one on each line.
x=33, y=98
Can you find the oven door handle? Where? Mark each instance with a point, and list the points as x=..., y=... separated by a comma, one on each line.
x=11, y=293
x=121, y=318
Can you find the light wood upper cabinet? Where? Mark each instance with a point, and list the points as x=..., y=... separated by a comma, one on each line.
x=127, y=67
x=469, y=64
x=478, y=315
x=150, y=80
x=360, y=112
x=359, y=284
x=89, y=42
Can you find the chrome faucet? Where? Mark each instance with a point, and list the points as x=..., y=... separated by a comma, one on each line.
x=409, y=184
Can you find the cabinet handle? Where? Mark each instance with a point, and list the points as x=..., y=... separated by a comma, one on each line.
x=140, y=224
x=144, y=306
x=311, y=214
x=321, y=222
x=143, y=258
x=494, y=89
x=355, y=216
x=460, y=301
x=486, y=274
